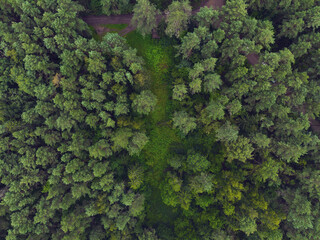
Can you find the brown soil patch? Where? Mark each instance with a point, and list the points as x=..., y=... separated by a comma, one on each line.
x=215, y=4
x=253, y=58
x=113, y=19
x=315, y=125
x=127, y=30
x=100, y=29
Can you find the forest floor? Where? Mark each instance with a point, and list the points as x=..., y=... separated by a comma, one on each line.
x=159, y=60
x=158, y=57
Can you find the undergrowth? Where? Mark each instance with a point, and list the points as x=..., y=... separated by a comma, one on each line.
x=159, y=61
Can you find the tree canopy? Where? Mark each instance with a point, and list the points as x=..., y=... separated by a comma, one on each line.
x=210, y=132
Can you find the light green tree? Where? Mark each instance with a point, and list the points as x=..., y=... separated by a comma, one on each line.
x=184, y=122
x=179, y=91
x=144, y=16
x=240, y=149
x=177, y=17
x=145, y=102
x=227, y=132
x=114, y=6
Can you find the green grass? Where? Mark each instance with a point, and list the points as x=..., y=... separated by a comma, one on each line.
x=157, y=149
x=137, y=41
x=157, y=211
x=115, y=26
x=158, y=63
x=159, y=60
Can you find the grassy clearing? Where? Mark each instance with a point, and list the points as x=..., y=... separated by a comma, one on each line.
x=158, y=63
x=158, y=212
x=159, y=60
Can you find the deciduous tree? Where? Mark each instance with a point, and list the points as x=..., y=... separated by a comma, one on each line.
x=144, y=16
x=177, y=17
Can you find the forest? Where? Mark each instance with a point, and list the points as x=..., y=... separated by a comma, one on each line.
x=159, y=119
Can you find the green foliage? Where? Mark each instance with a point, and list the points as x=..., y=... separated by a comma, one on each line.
x=197, y=163
x=177, y=17
x=241, y=149
x=94, y=144
x=227, y=133
x=135, y=175
x=179, y=92
x=117, y=7
x=206, y=16
x=300, y=217
x=144, y=17
x=184, y=122
x=95, y=6
x=145, y=102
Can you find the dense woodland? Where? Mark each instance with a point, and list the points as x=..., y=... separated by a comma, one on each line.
x=112, y=137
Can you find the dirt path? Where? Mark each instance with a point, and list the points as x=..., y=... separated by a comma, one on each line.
x=131, y=28
x=216, y=4
x=97, y=21
x=114, y=19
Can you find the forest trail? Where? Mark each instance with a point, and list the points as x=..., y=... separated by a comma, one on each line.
x=216, y=4
x=113, y=19
x=97, y=21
